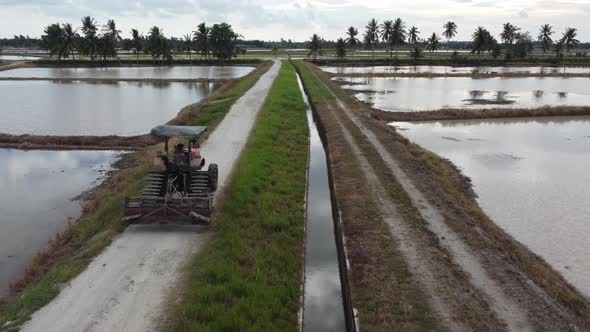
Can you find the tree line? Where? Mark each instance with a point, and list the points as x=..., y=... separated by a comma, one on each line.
x=392, y=34
x=103, y=42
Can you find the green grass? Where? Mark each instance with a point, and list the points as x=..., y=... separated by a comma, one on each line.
x=248, y=276
x=99, y=224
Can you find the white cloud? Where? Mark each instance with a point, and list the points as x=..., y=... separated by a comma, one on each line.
x=295, y=19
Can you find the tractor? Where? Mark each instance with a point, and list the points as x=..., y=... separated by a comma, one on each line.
x=181, y=191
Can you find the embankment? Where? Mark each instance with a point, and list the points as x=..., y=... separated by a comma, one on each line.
x=247, y=276
x=72, y=250
x=488, y=113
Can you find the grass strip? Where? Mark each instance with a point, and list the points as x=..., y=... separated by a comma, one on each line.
x=247, y=278
x=72, y=250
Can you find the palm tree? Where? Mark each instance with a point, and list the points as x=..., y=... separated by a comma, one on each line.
x=315, y=46
x=387, y=33
x=69, y=40
x=432, y=42
x=569, y=40
x=371, y=37
x=109, y=40
x=413, y=35
x=53, y=40
x=90, y=42
x=450, y=30
x=201, y=37
x=509, y=34
x=399, y=33
x=340, y=48
x=351, y=40
x=545, y=37
x=137, y=42
x=481, y=39
x=155, y=44
x=187, y=45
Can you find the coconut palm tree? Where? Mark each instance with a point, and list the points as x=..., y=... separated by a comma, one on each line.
x=136, y=42
x=450, y=30
x=399, y=33
x=155, y=44
x=351, y=40
x=432, y=42
x=387, y=33
x=413, y=35
x=569, y=40
x=509, y=34
x=545, y=37
x=315, y=46
x=481, y=39
x=371, y=37
x=202, y=39
x=340, y=48
x=90, y=41
x=109, y=40
x=53, y=40
x=70, y=36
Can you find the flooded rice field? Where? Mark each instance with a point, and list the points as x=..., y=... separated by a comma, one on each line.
x=85, y=108
x=176, y=72
x=323, y=305
x=454, y=70
x=39, y=192
x=409, y=94
x=531, y=176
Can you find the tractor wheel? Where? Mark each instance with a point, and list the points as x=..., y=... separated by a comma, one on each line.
x=213, y=174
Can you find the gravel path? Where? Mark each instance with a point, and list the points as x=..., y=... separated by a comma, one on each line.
x=124, y=288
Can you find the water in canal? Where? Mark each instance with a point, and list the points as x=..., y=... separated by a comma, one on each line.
x=323, y=308
x=408, y=94
x=170, y=72
x=532, y=179
x=39, y=190
x=454, y=70
x=84, y=108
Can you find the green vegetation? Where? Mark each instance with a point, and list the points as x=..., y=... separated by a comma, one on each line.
x=63, y=41
x=72, y=250
x=248, y=276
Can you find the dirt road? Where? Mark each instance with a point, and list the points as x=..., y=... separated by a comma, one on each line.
x=123, y=289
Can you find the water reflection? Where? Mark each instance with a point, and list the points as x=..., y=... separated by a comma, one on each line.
x=323, y=304
x=92, y=108
x=422, y=94
x=178, y=72
x=532, y=179
x=454, y=70
x=36, y=199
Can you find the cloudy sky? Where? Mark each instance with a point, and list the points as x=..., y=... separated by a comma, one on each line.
x=296, y=19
